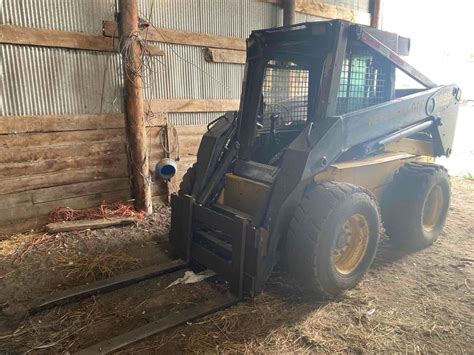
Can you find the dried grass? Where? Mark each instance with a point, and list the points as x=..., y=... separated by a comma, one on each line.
x=57, y=331
x=95, y=267
x=21, y=246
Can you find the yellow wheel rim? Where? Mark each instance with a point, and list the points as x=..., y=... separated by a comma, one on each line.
x=351, y=244
x=433, y=208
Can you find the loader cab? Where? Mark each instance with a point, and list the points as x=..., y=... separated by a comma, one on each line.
x=299, y=75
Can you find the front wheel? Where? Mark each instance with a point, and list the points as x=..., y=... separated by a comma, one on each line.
x=333, y=237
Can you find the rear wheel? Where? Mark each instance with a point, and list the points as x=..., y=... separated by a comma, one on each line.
x=415, y=205
x=333, y=237
x=187, y=184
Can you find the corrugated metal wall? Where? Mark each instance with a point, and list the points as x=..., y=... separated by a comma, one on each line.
x=183, y=73
x=47, y=81
x=61, y=81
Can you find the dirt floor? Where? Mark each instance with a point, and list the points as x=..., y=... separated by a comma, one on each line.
x=421, y=302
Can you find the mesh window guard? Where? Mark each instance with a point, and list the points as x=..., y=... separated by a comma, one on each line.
x=362, y=83
x=285, y=93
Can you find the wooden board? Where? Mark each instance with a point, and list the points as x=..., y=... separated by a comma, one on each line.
x=61, y=39
x=30, y=210
x=69, y=226
x=60, y=123
x=35, y=154
x=216, y=55
x=324, y=10
x=167, y=35
x=21, y=225
x=67, y=138
x=57, y=193
x=75, y=175
x=196, y=105
x=55, y=166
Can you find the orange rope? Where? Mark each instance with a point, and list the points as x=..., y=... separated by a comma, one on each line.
x=117, y=209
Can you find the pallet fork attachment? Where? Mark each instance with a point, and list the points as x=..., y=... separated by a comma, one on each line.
x=213, y=305
x=234, y=295
x=107, y=285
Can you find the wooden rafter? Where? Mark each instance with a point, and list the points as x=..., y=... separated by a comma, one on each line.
x=324, y=10
x=198, y=105
x=61, y=39
x=167, y=35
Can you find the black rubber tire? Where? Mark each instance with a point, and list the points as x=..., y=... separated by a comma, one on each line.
x=312, y=236
x=404, y=201
x=187, y=184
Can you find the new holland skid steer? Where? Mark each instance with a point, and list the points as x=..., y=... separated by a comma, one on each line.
x=322, y=154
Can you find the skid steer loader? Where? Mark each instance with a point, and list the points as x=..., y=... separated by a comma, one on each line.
x=322, y=150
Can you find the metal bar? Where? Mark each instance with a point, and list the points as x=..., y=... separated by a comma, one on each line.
x=238, y=258
x=173, y=320
x=222, y=168
x=406, y=132
x=217, y=221
x=377, y=145
x=331, y=75
x=211, y=260
x=386, y=52
x=108, y=285
x=187, y=212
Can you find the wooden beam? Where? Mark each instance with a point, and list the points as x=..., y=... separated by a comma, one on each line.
x=89, y=224
x=195, y=105
x=321, y=9
x=135, y=125
x=167, y=35
x=50, y=166
x=88, y=150
x=289, y=12
x=63, y=123
x=21, y=225
x=62, y=192
x=71, y=138
x=28, y=140
x=27, y=181
x=375, y=10
x=60, y=39
x=216, y=55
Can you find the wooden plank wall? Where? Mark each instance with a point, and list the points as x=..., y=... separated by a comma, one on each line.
x=189, y=139
x=75, y=161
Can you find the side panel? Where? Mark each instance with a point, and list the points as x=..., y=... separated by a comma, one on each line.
x=373, y=173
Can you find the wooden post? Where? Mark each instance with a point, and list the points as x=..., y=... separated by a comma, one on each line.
x=134, y=114
x=375, y=8
x=289, y=12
